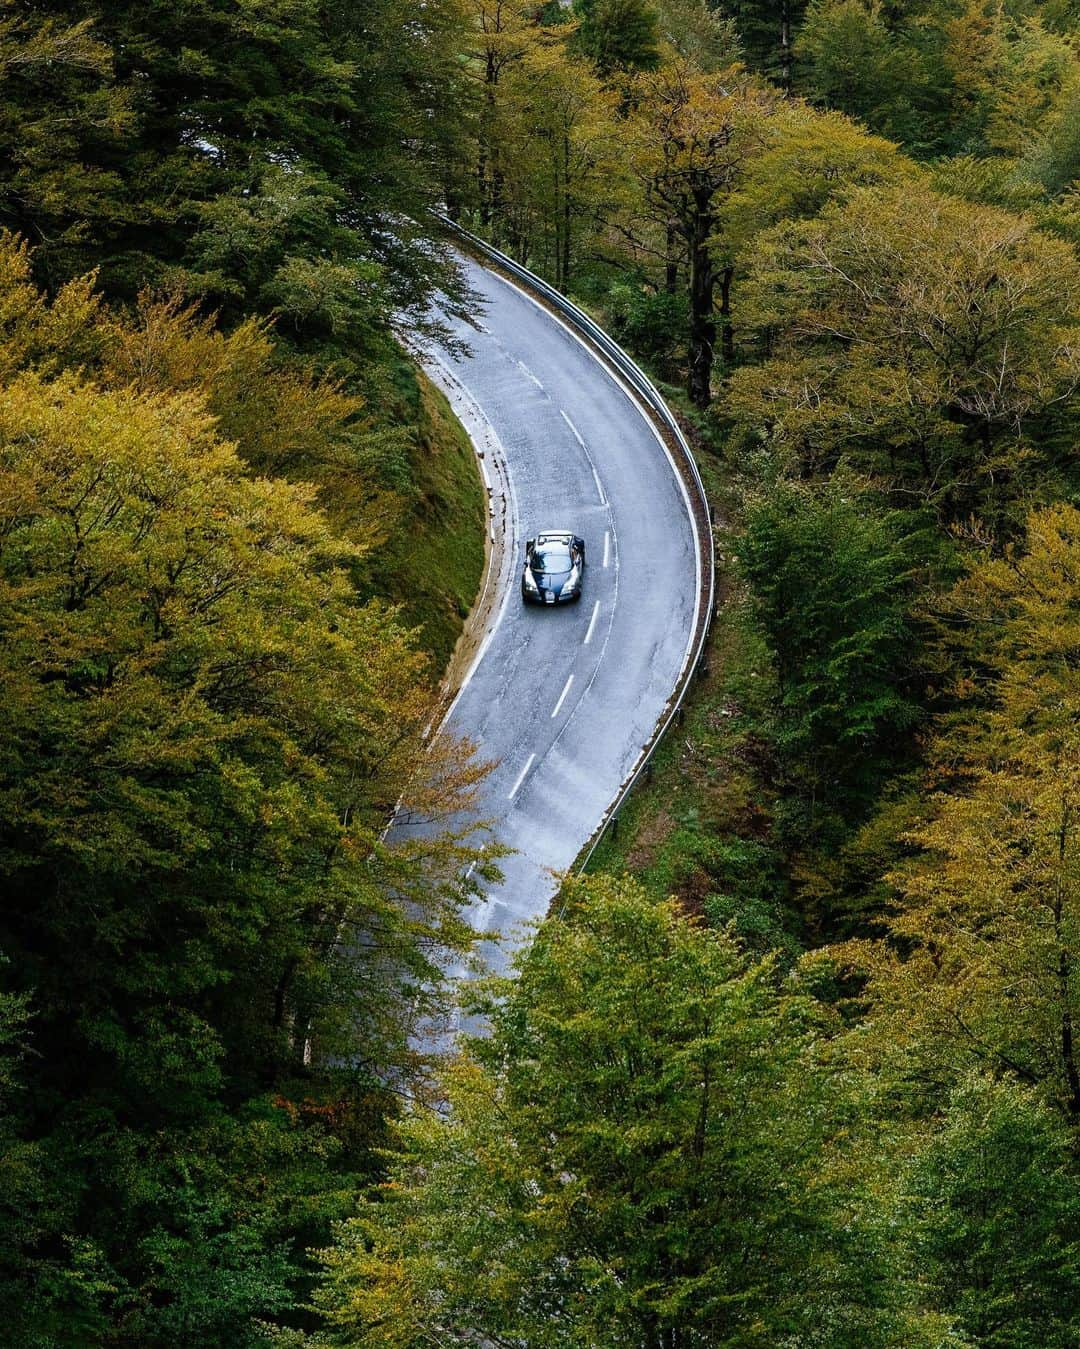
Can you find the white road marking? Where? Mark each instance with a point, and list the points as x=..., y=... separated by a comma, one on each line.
x=562, y=696
x=588, y=456
x=573, y=428
x=526, y=371
x=472, y=865
x=521, y=777
x=607, y=545
x=592, y=623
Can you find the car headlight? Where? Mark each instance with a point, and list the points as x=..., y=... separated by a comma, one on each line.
x=573, y=578
x=530, y=580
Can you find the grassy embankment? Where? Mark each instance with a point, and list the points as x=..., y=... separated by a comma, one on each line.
x=433, y=559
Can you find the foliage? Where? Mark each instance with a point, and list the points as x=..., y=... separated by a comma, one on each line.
x=561, y=162
x=942, y=76
x=699, y=33
x=982, y=968
x=767, y=32
x=214, y=959
x=994, y=1211
x=929, y=342
x=833, y=585
x=619, y=35
x=651, y=322
x=205, y=733
x=630, y=1158
x=255, y=151
x=693, y=138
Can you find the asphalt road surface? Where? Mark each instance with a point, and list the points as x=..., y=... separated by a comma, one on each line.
x=565, y=697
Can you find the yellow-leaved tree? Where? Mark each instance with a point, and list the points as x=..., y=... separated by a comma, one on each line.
x=205, y=730
x=982, y=962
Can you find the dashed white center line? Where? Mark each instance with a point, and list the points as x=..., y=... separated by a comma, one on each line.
x=562, y=696
x=573, y=428
x=588, y=456
x=526, y=371
x=592, y=623
x=521, y=777
x=607, y=545
x=472, y=865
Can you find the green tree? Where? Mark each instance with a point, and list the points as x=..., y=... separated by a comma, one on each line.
x=942, y=76
x=204, y=735
x=833, y=585
x=634, y=1157
x=619, y=35
x=854, y=66
x=498, y=35
x=61, y=112
x=767, y=30
x=565, y=165
x=981, y=969
x=811, y=159
x=699, y=33
x=993, y=1211
x=260, y=150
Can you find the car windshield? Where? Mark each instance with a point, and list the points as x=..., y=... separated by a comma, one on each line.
x=551, y=557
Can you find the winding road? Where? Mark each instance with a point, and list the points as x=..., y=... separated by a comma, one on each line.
x=564, y=698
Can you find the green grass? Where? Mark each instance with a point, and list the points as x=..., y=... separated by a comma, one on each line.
x=433, y=561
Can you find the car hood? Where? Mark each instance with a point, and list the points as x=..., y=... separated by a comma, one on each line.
x=550, y=580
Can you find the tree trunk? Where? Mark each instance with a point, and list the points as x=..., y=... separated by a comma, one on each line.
x=557, y=218
x=727, y=337
x=702, y=322
x=1068, y=1049
x=671, y=264
x=484, y=161
x=482, y=188
x=281, y=993
x=496, y=213
x=566, y=215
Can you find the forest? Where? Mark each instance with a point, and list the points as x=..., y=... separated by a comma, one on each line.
x=795, y=1062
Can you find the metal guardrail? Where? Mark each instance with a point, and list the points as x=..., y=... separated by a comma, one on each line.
x=702, y=523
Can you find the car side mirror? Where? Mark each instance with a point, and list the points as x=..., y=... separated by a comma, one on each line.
x=530, y=544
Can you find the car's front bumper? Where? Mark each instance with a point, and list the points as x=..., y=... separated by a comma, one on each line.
x=547, y=597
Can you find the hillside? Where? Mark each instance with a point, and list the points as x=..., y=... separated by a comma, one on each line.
x=794, y=1065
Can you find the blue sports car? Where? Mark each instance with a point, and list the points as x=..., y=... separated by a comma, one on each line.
x=554, y=565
